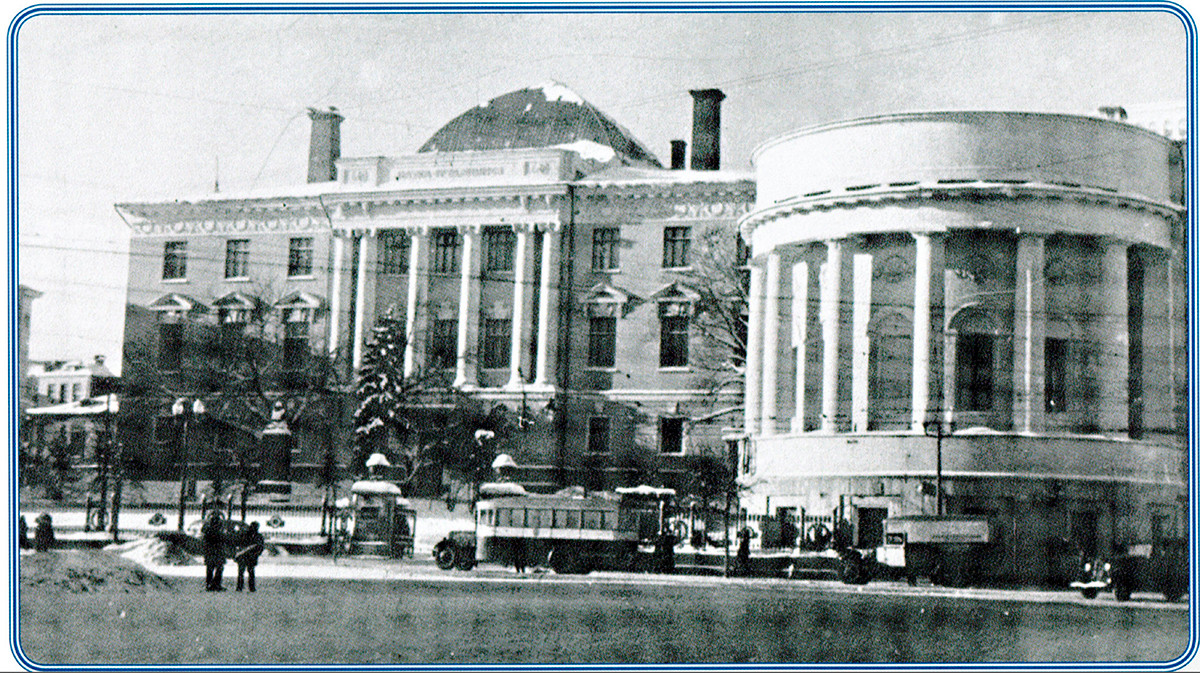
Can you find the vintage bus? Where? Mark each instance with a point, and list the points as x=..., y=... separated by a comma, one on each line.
x=569, y=531
x=375, y=519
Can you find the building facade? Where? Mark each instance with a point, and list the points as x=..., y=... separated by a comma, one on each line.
x=532, y=253
x=971, y=313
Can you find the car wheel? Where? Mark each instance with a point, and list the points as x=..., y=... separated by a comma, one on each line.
x=466, y=560
x=1090, y=592
x=445, y=557
x=1122, y=592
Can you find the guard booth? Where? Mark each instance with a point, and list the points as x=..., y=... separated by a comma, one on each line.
x=376, y=519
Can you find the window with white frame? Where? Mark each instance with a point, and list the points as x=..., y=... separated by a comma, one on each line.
x=237, y=258
x=393, y=252
x=606, y=249
x=174, y=260
x=300, y=256
x=676, y=241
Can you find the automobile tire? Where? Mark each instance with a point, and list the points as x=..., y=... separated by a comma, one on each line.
x=852, y=573
x=1122, y=592
x=1172, y=594
x=1089, y=593
x=446, y=557
x=466, y=561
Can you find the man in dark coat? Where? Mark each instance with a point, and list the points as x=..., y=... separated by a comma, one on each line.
x=250, y=547
x=43, y=535
x=214, y=554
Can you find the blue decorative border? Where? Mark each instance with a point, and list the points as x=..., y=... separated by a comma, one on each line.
x=111, y=9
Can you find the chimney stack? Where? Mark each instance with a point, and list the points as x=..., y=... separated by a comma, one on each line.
x=678, y=150
x=324, y=145
x=706, y=129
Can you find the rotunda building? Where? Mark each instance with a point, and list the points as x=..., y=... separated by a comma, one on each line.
x=970, y=313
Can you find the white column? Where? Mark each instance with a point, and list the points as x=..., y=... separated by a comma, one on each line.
x=1112, y=338
x=922, y=268
x=468, y=309
x=861, y=353
x=335, y=293
x=366, y=253
x=753, y=401
x=516, y=376
x=416, y=295
x=1029, y=336
x=800, y=339
x=546, y=317
x=831, y=282
x=770, y=356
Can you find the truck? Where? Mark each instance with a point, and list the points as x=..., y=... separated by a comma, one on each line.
x=946, y=549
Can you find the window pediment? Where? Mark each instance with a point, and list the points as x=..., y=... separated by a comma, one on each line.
x=175, y=304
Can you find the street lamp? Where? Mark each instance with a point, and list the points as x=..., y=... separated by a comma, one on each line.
x=934, y=429
x=181, y=408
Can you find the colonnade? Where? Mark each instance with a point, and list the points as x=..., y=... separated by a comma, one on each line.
x=416, y=315
x=932, y=391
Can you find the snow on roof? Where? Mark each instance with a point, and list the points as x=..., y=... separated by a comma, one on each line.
x=588, y=149
x=634, y=175
x=556, y=91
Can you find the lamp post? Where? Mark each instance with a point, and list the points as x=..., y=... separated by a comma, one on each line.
x=182, y=409
x=934, y=429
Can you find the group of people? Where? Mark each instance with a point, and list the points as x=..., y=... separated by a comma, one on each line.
x=247, y=546
x=43, y=535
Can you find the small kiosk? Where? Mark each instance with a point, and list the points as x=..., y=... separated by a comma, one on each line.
x=376, y=519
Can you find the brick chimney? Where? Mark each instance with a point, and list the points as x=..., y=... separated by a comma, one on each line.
x=678, y=150
x=706, y=129
x=324, y=145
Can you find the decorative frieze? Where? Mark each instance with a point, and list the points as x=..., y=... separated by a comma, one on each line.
x=239, y=225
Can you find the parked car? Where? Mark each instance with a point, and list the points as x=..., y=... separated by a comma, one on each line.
x=1161, y=568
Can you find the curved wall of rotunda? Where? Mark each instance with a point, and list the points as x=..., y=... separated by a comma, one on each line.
x=1005, y=276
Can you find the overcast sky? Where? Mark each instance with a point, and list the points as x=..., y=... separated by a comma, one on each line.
x=121, y=108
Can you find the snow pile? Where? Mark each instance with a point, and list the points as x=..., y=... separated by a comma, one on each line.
x=153, y=551
x=589, y=149
x=86, y=571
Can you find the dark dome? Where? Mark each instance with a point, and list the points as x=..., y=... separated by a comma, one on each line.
x=545, y=116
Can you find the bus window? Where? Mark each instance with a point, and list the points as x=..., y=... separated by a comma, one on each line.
x=505, y=517
x=566, y=518
x=537, y=518
x=592, y=519
x=519, y=518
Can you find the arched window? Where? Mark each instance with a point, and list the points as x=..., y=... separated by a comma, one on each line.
x=974, y=360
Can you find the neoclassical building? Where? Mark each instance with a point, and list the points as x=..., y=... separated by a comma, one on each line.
x=991, y=302
x=532, y=252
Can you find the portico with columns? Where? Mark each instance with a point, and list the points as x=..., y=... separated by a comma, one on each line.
x=979, y=292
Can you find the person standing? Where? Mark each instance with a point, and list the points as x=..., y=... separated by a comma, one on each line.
x=214, y=554
x=24, y=532
x=250, y=547
x=43, y=535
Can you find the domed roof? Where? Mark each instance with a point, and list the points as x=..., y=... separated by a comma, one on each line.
x=547, y=116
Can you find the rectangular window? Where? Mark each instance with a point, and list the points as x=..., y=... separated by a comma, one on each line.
x=174, y=260
x=602, y=342
x=300, y=256
x=1058, y=366
x=974, y=372
x=497, y=342
x=598, y=434
x=498, y=244
x=673, y=344
x=605, y=247
x=443, y=344
x=170, y=347
x=393, y=252
x=566, y=518
x=675, y=247
x=237, y=258
x=445, y=251
x=295, y=346
x=670, y=435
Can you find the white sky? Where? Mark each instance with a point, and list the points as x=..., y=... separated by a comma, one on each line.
x=119, y=108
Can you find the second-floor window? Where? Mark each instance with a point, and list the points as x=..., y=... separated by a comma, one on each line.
x=675, y=247
x=605, y=249
x=497, y=342
x=1059, y=365
x=673, y=341
x=170, y=347
x=974, y=372
x=445, y=251
x=393, y=252
x=442, y=349
x=602, y=342
x=237, y=258
x=498, y=244
x=598, y=434
x=174, y=260
x=300, y=256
